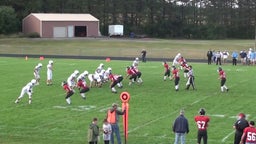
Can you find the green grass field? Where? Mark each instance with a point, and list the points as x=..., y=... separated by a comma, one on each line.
x=153, y=105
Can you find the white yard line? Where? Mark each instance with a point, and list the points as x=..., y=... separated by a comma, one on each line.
x=227, y=136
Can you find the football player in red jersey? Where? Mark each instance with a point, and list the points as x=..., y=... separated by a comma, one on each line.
x=138, y=73
x=182, y=61
x=202, y=124
x=115, y=80
x=131, y=74
x=249, y=134
x=81, y=84
x=167, y=71
x=176, y=77
x=222, y=77
x=69, y=92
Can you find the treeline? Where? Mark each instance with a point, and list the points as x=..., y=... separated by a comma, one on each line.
x=194, y=19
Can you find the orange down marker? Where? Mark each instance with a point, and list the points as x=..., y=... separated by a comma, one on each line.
x=125, y=97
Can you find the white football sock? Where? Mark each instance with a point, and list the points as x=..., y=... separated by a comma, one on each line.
x=113, y=89
x=82, y=94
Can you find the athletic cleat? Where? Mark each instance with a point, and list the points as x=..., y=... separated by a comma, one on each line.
x=227, y=90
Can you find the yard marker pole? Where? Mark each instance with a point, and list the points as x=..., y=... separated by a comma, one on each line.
x=125, y=96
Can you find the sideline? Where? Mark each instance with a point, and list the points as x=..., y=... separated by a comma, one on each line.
x=94, y=57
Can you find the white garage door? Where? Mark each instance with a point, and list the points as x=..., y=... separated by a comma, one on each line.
x=70, y=31
x=59, y=32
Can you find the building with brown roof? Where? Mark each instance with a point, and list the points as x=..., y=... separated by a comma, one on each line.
x=65, y=25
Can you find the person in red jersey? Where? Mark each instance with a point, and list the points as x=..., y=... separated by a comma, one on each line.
x=186, y=68
x=182, y=61
x=81, y=85
x=115, y=80
x=222, y=77
x=131, y=74
x=202, y=124
x=176, y=77
x=69, y=92
x=249, y=134
x=167, y=71
x=138, y=73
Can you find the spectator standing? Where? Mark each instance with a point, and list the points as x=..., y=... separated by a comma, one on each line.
x=143, y=55
x=234, y=58
x=225, y=56
x=113, y=118
x=252, y=57
x=209, y=56
x=239, y=126
x=213, y=56
x=106, y=131
x=93, y=132
x=243, y=56
x=218, y=58
x=180, y=128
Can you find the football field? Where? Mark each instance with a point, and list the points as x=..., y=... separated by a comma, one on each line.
x=153, y=105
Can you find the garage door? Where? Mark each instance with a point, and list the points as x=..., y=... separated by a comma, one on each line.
x=59, y=32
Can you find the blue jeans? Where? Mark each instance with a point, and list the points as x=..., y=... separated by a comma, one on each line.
x=115, y=129
x=181, y=137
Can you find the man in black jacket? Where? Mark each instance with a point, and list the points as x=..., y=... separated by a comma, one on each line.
x=209, y=56
x=180, y=128
x=240, y=125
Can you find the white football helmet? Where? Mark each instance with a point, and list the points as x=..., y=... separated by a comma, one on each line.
x=76, y=72
x=33, y=81
x=101, y=65
x=136, y=58
x=40, y=65
x=109, y=69
x=50, y=62
x=86, y=73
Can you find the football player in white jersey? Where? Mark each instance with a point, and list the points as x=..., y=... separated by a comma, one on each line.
x=37, y=70
x=135, y=63
x=49, y=72
x=83, y=76
x=81, y=84
x=71, y=81
x=106, y=74
x=176, y=60
x=95, y=80
x=99, y=69
x=28, y=89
